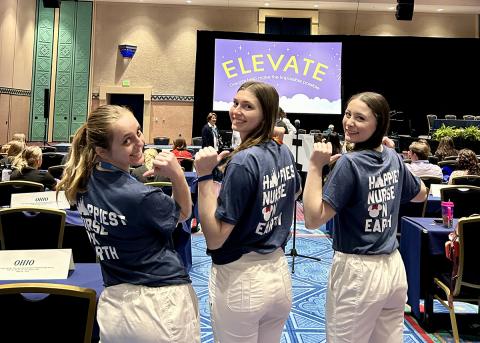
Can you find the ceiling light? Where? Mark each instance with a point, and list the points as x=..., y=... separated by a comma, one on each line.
x=391, y=8
x=267, y=4
x=440, y=9
x=188, y=1
x=316, y=5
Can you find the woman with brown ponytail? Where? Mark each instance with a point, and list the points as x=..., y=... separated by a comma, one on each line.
x=148, y=295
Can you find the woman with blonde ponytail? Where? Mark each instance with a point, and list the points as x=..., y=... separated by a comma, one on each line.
x=148, y=295
x=26, y=166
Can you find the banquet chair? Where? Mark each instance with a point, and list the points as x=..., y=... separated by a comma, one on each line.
x=463, y=282
x=411, y=209
x=468, y=117
x=51, y=159
x=30, y=227
x=429, y=179
x=430, y=119
x=56, y=171
x=433, y=159
x=450, y=116
x=47, y=311
x=465, y=199
x=450, y=158
x=7, y=188
x=197, y=141
x=161, y=141
x=164, y=185
x=48, y=149
x=187, y=164
x=470, y=180
x=477, y=117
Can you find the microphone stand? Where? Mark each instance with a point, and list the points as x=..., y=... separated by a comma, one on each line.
x=293, y=252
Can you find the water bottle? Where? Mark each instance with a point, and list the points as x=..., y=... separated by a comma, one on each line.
x=6, y=174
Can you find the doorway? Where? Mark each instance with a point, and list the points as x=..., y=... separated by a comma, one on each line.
x=134, y=102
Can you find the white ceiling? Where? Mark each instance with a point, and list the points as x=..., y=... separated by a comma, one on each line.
x=426, y=6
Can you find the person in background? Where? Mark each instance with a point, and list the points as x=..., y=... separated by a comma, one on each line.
x=330, y=129
x=289, y=128
x=467, y=165
x=445, y=148
x=367, y=287
x=246, y=231
x=148, y=296
x=210, y=135
x=26, y=166
x=420, y=166
x=148, y=156
x=180, y=149
x=14, y=148
x=236, y=140
x=19, y=137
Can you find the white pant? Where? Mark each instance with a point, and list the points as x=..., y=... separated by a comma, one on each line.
x=250, y=298
x=134, y=313
x=366, y=298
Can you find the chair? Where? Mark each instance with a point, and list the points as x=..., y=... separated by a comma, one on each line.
x=477, y=117
x=65, y=314
x=430, y=119
x=465, y=198
x=197, y=141
x=315, y=132
x=301, y=131
x=429, y=179
x=450, y=158
x=48, y=149
x=465, y=285
x=470, y=180
x=161, y=141
x=187, y=164
x=56, y=171
x=164, y=185
x=468, y=117
x=7, y=188
x=407, y=160
x=450, y=116
x=30, y=227
x=433, y=159
x=51, y=159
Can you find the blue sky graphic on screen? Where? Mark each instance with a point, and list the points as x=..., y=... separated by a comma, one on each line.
x=307, y=75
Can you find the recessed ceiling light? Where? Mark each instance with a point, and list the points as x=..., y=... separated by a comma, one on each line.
x=188, y=1
x=391, y=8
x=316, y=5
x=267, y=4
x=440, y=9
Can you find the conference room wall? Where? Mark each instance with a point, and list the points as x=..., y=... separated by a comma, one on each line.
x=17, y=32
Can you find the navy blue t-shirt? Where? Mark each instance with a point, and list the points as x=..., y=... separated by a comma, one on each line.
x=366, y=189
x=257, y=196
x=130, y=226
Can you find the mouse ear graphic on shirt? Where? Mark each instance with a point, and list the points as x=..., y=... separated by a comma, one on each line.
x=374, y=210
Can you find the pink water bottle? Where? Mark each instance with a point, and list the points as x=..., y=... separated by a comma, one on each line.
x=447, y=213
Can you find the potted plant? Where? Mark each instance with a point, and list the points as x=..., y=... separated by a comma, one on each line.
x=468, y=137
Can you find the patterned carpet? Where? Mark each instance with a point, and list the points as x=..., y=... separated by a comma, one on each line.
x=306, y=323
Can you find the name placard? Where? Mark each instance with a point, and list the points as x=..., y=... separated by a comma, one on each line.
x=42, y=199
x=46, y=264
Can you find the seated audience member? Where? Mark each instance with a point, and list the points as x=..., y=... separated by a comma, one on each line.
x=467, y=164
x=149, y=156
x=14, y=148
x=420, y=166
x=445, y=148
x=180, y=149
x=19, y=137
x=330, y=129
x=26, y=167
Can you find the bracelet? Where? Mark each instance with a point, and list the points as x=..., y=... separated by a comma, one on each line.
x=205, y=177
